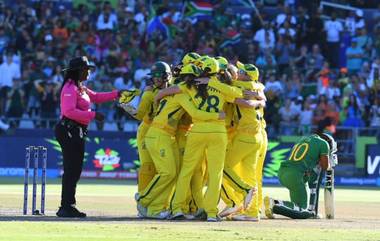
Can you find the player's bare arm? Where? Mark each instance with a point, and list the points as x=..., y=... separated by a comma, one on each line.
x=249, y=103
x=172, y=90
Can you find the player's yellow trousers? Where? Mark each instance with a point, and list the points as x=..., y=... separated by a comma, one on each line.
x=228, y=194
x=163, y=149
x=260, y=166
x=147, y=169
x=199, y=144
x=244, y=151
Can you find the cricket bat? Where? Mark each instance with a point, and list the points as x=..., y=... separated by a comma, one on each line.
x=329, y=194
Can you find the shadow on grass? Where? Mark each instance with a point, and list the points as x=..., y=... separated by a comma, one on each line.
x=57, y=219
x=20, y=180
x=104, y=219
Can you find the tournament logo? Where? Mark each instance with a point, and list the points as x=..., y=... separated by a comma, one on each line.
x=107, y=159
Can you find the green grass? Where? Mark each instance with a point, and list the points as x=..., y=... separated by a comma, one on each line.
x=170, y=231
x=111, y=211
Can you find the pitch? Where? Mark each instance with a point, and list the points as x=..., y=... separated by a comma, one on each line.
x=111, y=209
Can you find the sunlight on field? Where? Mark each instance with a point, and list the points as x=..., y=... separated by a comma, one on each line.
x=111, y=211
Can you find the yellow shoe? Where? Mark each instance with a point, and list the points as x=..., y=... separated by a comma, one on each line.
x=268, y=204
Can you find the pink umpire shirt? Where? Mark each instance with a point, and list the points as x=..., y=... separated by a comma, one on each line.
x=76, y=104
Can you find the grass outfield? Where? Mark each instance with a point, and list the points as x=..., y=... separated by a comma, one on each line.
x=111, y=211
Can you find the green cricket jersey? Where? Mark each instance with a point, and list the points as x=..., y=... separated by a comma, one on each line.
x=306, y=152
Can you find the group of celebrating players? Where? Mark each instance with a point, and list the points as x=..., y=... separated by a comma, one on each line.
x=202, y=138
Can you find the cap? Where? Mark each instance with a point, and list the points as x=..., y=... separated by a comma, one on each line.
x=79, y=63
x=250, y=69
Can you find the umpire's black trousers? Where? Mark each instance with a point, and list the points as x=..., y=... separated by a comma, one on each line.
x=71, y=137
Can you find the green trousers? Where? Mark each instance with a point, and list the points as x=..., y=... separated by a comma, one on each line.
x=298, y=184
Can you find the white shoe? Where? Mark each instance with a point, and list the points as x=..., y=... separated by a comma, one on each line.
x=243, y=217
x=181, y=216
x=141, y=211
x=227, y=211
x=189, y=217
x=178, y=216
x=248, y=198
x=214, y=219
x=162, y=215
x=137, y=196
x=268, y=204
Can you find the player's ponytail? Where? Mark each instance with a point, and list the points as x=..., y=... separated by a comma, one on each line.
x=189, y=79
x=225, y=77
x=73, y=75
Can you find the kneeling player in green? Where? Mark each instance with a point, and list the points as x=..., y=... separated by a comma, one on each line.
x=302, y=171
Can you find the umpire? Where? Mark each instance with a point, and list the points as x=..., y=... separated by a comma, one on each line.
x=71, y=130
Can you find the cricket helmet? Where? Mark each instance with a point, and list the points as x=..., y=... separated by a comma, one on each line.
x=211, y=65
x=161, y=70
x=190, y=58
x=223, y=62
x=251, y=70
x=191, y=69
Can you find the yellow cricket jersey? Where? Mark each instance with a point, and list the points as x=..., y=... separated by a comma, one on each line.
x=248, y=118
x=260, y=87
x=172, y=108
x=214, y=104
x=231, y=91
x=229, y=108
x=230, y=120
x=146, y=108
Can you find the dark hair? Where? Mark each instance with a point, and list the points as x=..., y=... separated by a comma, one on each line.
x=322, y=124
x=225, y=77
x=189, y=79
x=353, y=103
x=73, y=75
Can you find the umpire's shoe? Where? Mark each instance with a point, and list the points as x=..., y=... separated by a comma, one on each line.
x=70, y=212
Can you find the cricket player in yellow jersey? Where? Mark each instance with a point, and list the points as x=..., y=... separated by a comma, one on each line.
x=228, y=107
x=244, y=150
x=258, y=93
x=231, y=123
x=205, y=138
x=194, y=201
x=185, y=122
x=161, y=75
x=189, y=58
x=162, y=146
x=263, y=150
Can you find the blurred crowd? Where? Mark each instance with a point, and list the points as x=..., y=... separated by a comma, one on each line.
x=312, y=67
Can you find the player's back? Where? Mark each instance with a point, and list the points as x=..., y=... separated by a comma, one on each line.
x=306, y=152
x=214, y=103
